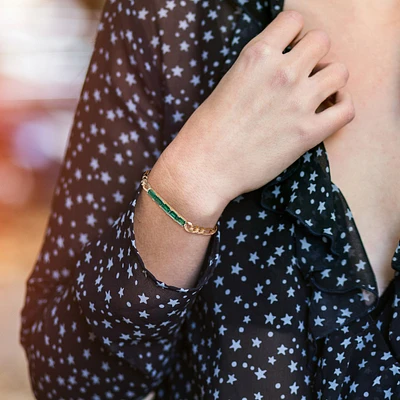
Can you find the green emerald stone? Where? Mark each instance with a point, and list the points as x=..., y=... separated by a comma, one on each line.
x=177, y=218
x=181, y=221
x=152, y=194
x=165, y=207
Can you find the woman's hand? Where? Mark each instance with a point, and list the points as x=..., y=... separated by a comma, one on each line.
x=262, y=115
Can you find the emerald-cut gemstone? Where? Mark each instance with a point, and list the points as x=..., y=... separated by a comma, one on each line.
x=178, y=219
x=155, y=197
x=166, y=207
x=181, y=221
x=152, y=194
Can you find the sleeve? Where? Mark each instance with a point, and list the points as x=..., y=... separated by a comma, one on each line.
x=96, y=323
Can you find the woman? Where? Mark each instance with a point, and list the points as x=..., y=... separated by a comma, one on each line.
x=231, y=106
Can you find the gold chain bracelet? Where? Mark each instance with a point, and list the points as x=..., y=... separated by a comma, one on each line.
x=188, y=226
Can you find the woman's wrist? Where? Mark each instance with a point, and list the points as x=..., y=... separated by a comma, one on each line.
x=186, y=189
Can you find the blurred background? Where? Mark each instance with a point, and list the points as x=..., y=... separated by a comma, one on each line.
x=45, y=49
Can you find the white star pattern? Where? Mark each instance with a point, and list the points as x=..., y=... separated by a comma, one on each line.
x=284, y=270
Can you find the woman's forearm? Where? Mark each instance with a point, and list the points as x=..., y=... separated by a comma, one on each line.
x=171, y=254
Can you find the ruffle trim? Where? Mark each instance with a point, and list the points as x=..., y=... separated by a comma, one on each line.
x=330, y=254
x=383, y=357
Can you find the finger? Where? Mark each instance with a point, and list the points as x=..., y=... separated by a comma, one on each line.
x=329, y=80
x=306, y=54
x=335, y=117
x=281, y=31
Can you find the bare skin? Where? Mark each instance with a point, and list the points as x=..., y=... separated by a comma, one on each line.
x=364, y=155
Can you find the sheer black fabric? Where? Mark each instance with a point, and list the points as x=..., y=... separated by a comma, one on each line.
x=286, y=306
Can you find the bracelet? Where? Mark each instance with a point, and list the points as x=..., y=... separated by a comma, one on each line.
x=188, y=226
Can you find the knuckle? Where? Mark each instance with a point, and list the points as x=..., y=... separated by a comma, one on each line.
x=309, y=103
x=257, y=50
x=284, y=75
x=343, y=71
x=304, y=131
x=296, y=104
x=320, y=37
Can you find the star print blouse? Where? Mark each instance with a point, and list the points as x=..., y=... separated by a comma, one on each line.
x=286, y=305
